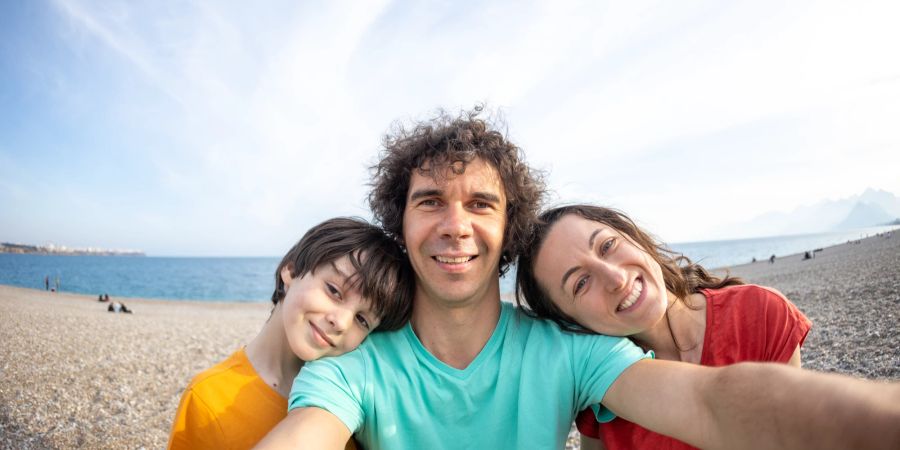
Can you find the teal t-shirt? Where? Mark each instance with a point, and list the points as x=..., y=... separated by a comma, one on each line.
x=522, y=390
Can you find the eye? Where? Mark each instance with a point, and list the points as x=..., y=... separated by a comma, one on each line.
x=361, y=319
x=334, y=291
x=481, y=205
x=429, y=202
x=607, y=245
x=579, y=284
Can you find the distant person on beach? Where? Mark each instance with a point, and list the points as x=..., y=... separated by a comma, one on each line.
x=472, y=372
x=116, y=307
x=47, y=282
x=618, y=281
x=772, y=259
x=343, y=280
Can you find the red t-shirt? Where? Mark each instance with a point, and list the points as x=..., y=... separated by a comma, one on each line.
x=743, y=323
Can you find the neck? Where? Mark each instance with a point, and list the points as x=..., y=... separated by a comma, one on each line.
x=455, y=332
x=680, y=337
x=271, y=355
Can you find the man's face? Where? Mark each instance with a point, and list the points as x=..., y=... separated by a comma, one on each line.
x=453, y=230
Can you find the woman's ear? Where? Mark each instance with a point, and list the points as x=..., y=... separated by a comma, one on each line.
x=286, y=277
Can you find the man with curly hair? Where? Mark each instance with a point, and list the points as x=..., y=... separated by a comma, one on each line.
x=470, y=371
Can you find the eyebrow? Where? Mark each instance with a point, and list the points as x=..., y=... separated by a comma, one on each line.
x=487, y=196
x=569, y=272
x=421, y=193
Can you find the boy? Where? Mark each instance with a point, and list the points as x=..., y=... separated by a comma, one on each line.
x=344, y=279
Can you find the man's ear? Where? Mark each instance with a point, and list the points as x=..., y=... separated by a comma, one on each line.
x=286, y=277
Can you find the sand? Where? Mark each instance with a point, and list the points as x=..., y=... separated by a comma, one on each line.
x=75, y=376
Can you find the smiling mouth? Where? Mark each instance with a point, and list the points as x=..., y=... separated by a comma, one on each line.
x=322, y=335
x=454, y=260
x=636, y=289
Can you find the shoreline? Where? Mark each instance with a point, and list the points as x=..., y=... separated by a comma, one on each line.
x=75, y=375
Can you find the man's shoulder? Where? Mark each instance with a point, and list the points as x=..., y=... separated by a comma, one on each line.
x=378, y=346
x=535, y=329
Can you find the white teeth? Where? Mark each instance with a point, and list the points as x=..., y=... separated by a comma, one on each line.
x=448, y=260
x=635, y=293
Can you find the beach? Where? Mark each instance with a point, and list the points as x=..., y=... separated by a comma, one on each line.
x=851, y=292
x=73, y=375
x=76, y=376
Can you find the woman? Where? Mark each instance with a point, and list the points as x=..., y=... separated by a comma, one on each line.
x=591, y=269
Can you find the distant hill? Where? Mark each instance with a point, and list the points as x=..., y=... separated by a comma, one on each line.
x=9, y=247
x=871, y=208
x=864, y=215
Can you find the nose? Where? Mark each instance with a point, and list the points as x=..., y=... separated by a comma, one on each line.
x=455, y=223
x=613, y=276
x=340, y=319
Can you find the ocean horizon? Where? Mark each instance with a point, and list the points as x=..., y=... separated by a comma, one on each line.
x=251, y=279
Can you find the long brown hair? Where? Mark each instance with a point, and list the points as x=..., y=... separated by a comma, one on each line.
x=681, y=275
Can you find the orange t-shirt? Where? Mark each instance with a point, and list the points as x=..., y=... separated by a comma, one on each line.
x=227, y=406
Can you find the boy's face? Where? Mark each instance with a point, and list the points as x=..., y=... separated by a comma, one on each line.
x=323, y=315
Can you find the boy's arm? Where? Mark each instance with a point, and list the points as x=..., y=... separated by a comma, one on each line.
x=754, y=405
x=312, y=428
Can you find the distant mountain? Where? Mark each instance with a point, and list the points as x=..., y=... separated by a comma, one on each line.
x=890, y=203
x=864, y=215
x=871, y=208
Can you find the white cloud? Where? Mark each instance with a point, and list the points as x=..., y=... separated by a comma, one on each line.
x=262, y=124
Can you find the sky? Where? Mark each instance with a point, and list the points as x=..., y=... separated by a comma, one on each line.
x=195, y=128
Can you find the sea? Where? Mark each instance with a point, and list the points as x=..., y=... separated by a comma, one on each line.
x=244, y=279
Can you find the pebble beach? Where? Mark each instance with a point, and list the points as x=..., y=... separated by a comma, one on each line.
x=73, y=375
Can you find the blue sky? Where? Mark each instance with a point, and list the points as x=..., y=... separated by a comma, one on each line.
x=229, y=128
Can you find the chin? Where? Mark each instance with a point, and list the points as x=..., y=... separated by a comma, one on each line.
x=308, y=355
x=302, y=351
x=457, y=295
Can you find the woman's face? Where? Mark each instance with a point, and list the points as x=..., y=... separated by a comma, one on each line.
x=600, y=277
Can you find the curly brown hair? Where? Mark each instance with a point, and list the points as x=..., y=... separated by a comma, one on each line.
x=444, y=146
x=681, y=275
